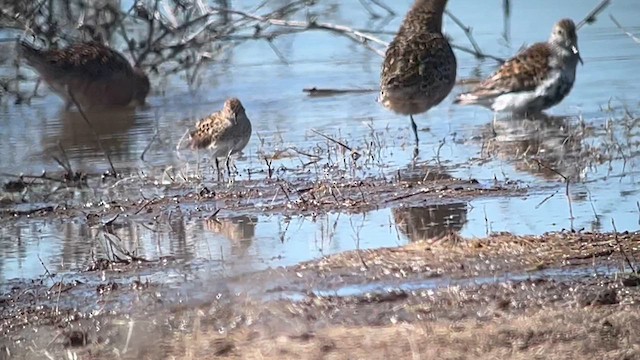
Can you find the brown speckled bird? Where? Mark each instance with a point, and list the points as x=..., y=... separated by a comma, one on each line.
x=419, y=68
x=537, y=78
x=93, y=74
x=225, y=132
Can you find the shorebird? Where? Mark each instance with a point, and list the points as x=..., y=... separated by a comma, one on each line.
x=225, y=132
x=89, y=73
x=419, y=68
x=536, y=79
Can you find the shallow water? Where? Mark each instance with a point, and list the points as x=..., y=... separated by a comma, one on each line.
x=601, y=191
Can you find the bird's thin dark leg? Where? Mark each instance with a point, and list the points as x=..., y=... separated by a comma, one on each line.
x=416, y=152
x=228, y=167
x=69, y=102
x=228, y=161
x=414, y=127
x=218, y=168
x=493, y=124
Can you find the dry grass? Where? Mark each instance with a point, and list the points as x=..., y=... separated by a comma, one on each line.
x=493, y=255
x=586, y=333
x=561, y=318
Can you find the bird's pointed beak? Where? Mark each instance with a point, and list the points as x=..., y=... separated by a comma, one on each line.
x=577, y=52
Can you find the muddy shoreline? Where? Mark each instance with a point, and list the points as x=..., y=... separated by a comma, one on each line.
x=569, y=294
x=329, y=237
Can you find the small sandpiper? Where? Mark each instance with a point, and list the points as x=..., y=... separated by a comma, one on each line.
x=225, y=132
x=419, y=68
x=536, y=79
x=89, y=73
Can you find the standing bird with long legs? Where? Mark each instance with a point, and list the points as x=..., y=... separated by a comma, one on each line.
x=89, y=74
x=224, y=133
x=536, y=79
x=419, y=68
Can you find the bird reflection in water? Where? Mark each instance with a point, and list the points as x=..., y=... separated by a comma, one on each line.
x=79, y=139
x=430, y=222
x=239, y=229
x=543, y=145
x=422, y=172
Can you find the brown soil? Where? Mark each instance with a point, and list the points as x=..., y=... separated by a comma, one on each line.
x=562, y=295
x=585, y=333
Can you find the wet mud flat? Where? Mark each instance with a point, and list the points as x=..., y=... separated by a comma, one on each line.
x=100, y=199
x=560, y=295
x=570, y=294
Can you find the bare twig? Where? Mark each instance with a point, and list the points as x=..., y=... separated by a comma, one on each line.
x=592, y=15
x=155, y=135
x=476, y=54
x=34, y=177
x=369, y=9
x=95, y=133
x=615, y=237
x=546, y=199
x=315, y=92
x=633, y=37
x=384, y=6
x=129, y=333
x=45, y=268
x=277, y=51
x=332, y=140
x=567, y=181
x=468, y=31
x=353, y=34
x=380, y=4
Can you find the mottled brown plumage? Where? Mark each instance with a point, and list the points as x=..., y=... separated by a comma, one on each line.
x=523, y=72
x=425, y=16
x=91, y=73
x=535, y=79
x=419, y=68
x=225, y=132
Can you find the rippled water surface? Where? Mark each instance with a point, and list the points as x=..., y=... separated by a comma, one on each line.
x=598, y=117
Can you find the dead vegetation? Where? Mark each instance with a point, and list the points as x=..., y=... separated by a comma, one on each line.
x=339, y=308
x=585, y=333
x=176, y=37
x=498, y=254
x=562, y=295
